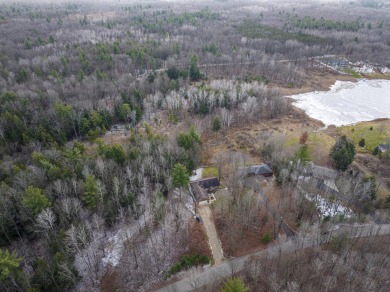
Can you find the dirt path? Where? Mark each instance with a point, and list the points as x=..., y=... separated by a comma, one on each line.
x=214, y=242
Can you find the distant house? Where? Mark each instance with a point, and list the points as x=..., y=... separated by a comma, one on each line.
x=261, y=169
x=202, y=189
x=384, y=147
x=320, y=172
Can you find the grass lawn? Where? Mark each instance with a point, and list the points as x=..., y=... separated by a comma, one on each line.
x=380, y=133
x=210, y=172
x=352, y=73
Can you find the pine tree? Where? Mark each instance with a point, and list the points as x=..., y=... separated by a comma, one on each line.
x=35, y=200
x=90, y=191
x=342, y=153
x=9, y=263
x=195, y=74
x=180, y=176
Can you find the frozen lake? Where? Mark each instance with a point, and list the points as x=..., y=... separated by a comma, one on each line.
x=347, y=102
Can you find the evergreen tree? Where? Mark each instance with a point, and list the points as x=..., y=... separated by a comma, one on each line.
x=303, y=154
x=194, y=73
x=342, y=153
x=180, y=176
x=9, y=264
x=35, y=200
x=217, y=124
x=90, y=191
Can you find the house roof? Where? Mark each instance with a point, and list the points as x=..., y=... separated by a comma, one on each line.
x=320, y=172
x=199, y=188
x=207, y=183
x=384, y=147
x=200, y=194
x=260, y=169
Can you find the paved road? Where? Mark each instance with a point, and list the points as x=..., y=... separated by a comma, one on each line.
x=214, y=242
x=195, y=282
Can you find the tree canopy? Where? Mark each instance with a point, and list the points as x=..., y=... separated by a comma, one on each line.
x=342, y=153
x=180, y=175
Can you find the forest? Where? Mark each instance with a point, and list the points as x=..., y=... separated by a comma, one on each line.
x=107, y=107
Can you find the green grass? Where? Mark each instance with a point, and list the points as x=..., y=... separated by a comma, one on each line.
x=380, y=133
x=352, y=73
x=210, y=172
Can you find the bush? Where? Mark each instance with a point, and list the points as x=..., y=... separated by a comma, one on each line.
x=339, y=242
x=186, y=262
x=234, y=285
x=217, y=124
x=266, y=238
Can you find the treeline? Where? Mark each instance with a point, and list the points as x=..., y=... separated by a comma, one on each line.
x=327, y=24
x=254, y=29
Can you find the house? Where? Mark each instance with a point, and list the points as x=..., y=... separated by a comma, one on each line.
x=261, y=169
x=384, y=147
x=209, y=184
x=320, y=172
x=202, y=189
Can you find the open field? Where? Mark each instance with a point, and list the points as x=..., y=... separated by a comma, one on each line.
x=374, y=133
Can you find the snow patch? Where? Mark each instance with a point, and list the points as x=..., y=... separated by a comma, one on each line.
x=197, y=175
x=114, y=248
x=328, y=208
x=347, y=102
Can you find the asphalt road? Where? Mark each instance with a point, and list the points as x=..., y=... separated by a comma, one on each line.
x=195, y=282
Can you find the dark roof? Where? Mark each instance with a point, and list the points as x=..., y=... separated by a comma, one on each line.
x=261, y=169
x=384, y=147
x=199, y=193
x=207, y=183
x=200, y=187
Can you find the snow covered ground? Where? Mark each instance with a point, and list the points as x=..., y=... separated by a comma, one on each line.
x=328, y=208
x=347, y=102
x=197, y=175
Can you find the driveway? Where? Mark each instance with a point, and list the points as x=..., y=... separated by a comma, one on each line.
x=214, y=242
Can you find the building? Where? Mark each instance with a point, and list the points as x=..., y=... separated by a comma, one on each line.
x=202, y=190
x=384, y=147
x=261, y=169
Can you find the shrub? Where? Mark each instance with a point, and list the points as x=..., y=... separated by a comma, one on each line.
x=266, y=238
x=234, y=285
x=217, y=124
x=186, y=262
